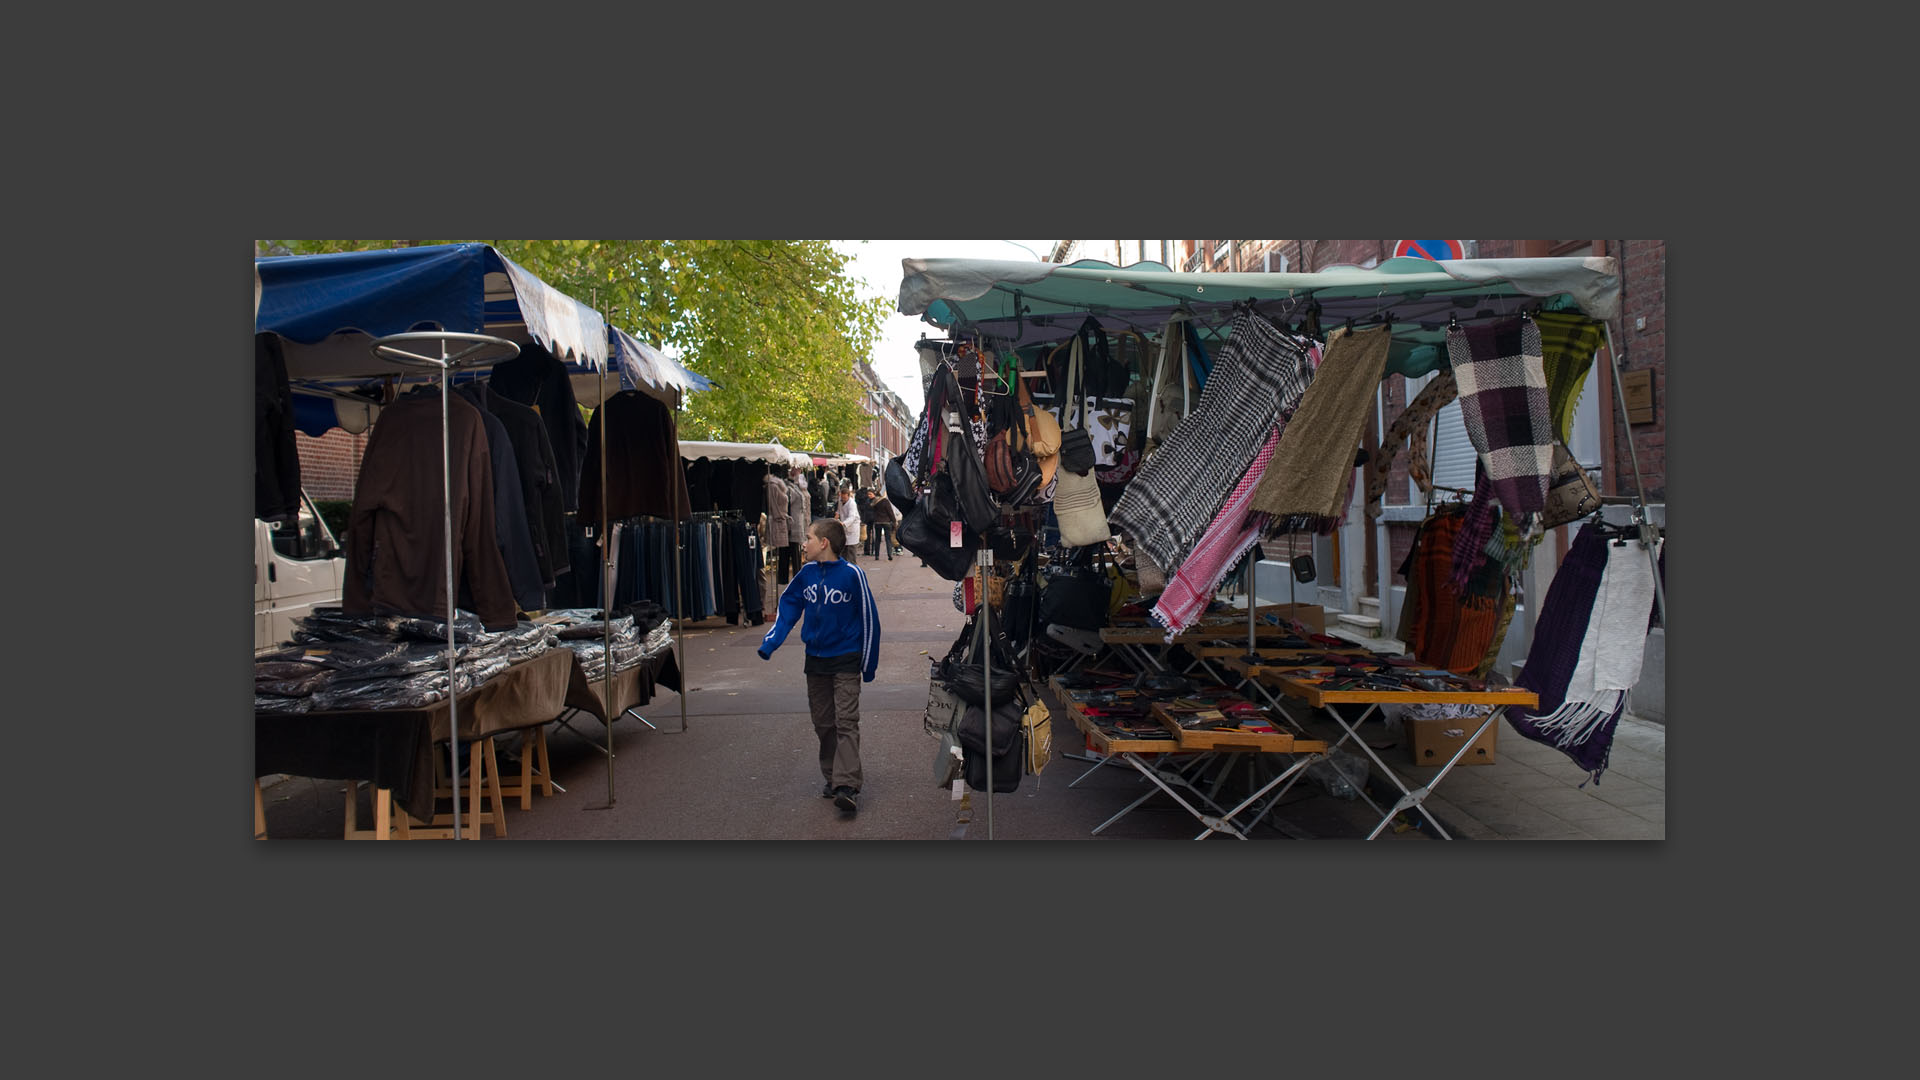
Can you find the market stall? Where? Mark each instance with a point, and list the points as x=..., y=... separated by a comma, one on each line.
x=355, y=330
x=1177, y=420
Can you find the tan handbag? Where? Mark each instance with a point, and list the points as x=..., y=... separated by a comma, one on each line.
x=1038, y=723
x=1570, y=491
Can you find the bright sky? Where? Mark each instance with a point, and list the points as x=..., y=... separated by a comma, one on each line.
x=878, y=262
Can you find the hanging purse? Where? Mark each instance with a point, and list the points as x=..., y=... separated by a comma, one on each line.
x=899, y=486
x=1570, y=491
x=1075, y=596
x=926, y=530
x=1077, y=508
x=1009, y=739
x=1037, y=725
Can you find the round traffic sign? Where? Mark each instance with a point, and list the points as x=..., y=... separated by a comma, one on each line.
x=1430, y=249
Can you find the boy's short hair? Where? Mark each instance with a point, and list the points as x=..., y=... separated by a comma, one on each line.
x=830, y=530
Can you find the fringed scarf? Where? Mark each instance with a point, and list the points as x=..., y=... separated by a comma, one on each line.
x=1312, y=469
x=1503, y=401
x=1230, y=534
x=1587, y=650
x=1182, y=484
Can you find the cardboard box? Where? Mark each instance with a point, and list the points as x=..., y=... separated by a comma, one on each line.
x=1431, y=742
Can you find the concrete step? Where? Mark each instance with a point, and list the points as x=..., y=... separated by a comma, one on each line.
x=1366, y=624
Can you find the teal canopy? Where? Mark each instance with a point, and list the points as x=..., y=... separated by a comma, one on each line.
x=1025, y=303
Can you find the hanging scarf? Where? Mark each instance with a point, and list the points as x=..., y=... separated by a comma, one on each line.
x=1230, y=534
x=1450, y=628
x=1567, y=344
x=1313, y=465
x=1181, y=485
x=1409, y=428
x=1481, y=525
x=1588, y=649
x=1503, y=402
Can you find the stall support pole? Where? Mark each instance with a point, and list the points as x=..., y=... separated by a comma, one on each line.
x=1247, y=570
x=1639, y=487
x=606, y=582
x=446, y=536
x=681, y=630
x=985, y=561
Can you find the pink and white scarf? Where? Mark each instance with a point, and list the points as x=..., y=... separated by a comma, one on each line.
x=1227, y=537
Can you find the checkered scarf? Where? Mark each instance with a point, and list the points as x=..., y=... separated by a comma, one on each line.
x=1503, y=400
x=1227, y=537
x=1567, y=344
x=1182, y=484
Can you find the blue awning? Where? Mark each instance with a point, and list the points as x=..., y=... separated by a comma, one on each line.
x=328, y=309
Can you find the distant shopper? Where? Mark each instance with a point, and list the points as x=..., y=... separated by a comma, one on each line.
x=880, y=526
x=848, y=515
x=842, y=637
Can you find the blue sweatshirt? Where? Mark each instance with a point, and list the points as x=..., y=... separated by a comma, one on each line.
x=841, y=617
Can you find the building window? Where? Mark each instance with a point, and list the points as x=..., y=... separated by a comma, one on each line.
x=1220, y=250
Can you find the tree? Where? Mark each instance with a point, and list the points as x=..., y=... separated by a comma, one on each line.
x=776, y=325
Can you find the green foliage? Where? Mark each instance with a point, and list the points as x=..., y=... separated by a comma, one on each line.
x=336, y=513
x=776, y=325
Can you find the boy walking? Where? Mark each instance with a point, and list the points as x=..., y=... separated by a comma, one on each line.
x=842, y=637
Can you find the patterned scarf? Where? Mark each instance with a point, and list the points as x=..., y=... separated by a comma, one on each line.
x=1503, y=400
x=1410, y=427
x=1227, y=537
x=1567, y=344
x=1450, y=628
x=1587, y=649
x=1182, y=484
x=1312, y=468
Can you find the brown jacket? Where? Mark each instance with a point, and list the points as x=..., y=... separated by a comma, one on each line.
x=396, y=546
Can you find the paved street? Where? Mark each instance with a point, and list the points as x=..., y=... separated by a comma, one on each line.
x=744, y=766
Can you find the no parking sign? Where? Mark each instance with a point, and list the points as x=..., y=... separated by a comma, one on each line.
x=1430, y=249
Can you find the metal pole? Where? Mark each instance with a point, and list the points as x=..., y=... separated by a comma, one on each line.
x=1639, y=489
x=985, y=560
x=682, y=631
x=606, y=585
x=446, y=536
x=1252, y=650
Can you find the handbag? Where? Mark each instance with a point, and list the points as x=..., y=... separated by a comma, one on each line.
x=900, y=486
x=1076, y=596
x=1570, y=491
x=972, y=496
x=926, y=530
x=1009, y=738
x=960, y=670
x=1078, y=510
x=1037, y=725
x=943, y=709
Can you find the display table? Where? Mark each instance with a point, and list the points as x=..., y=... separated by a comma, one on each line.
x=630, y=689
x=1179, y=760
x=1145, y=647
x=393, y=749
x=1278, y=679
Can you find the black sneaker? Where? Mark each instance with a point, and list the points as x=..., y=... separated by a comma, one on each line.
x=844, y=798
x=826, y=792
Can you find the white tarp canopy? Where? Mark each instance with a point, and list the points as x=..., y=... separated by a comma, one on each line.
x=772, y=453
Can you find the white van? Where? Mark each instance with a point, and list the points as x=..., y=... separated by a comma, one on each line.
x=297, y=566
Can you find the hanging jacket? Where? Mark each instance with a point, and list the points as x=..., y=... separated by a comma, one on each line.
x=799, y=512
x=536, y=378
x=510, y=526
x=644, y=475
x=396, y=536
x=777, y=494
x=539, y=483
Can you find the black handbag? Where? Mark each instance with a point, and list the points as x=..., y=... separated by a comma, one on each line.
x=1075, y=596
x=926, y=530
x=972, y=495
x=960, y=670
x=1009, y=746
x=900, y=486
